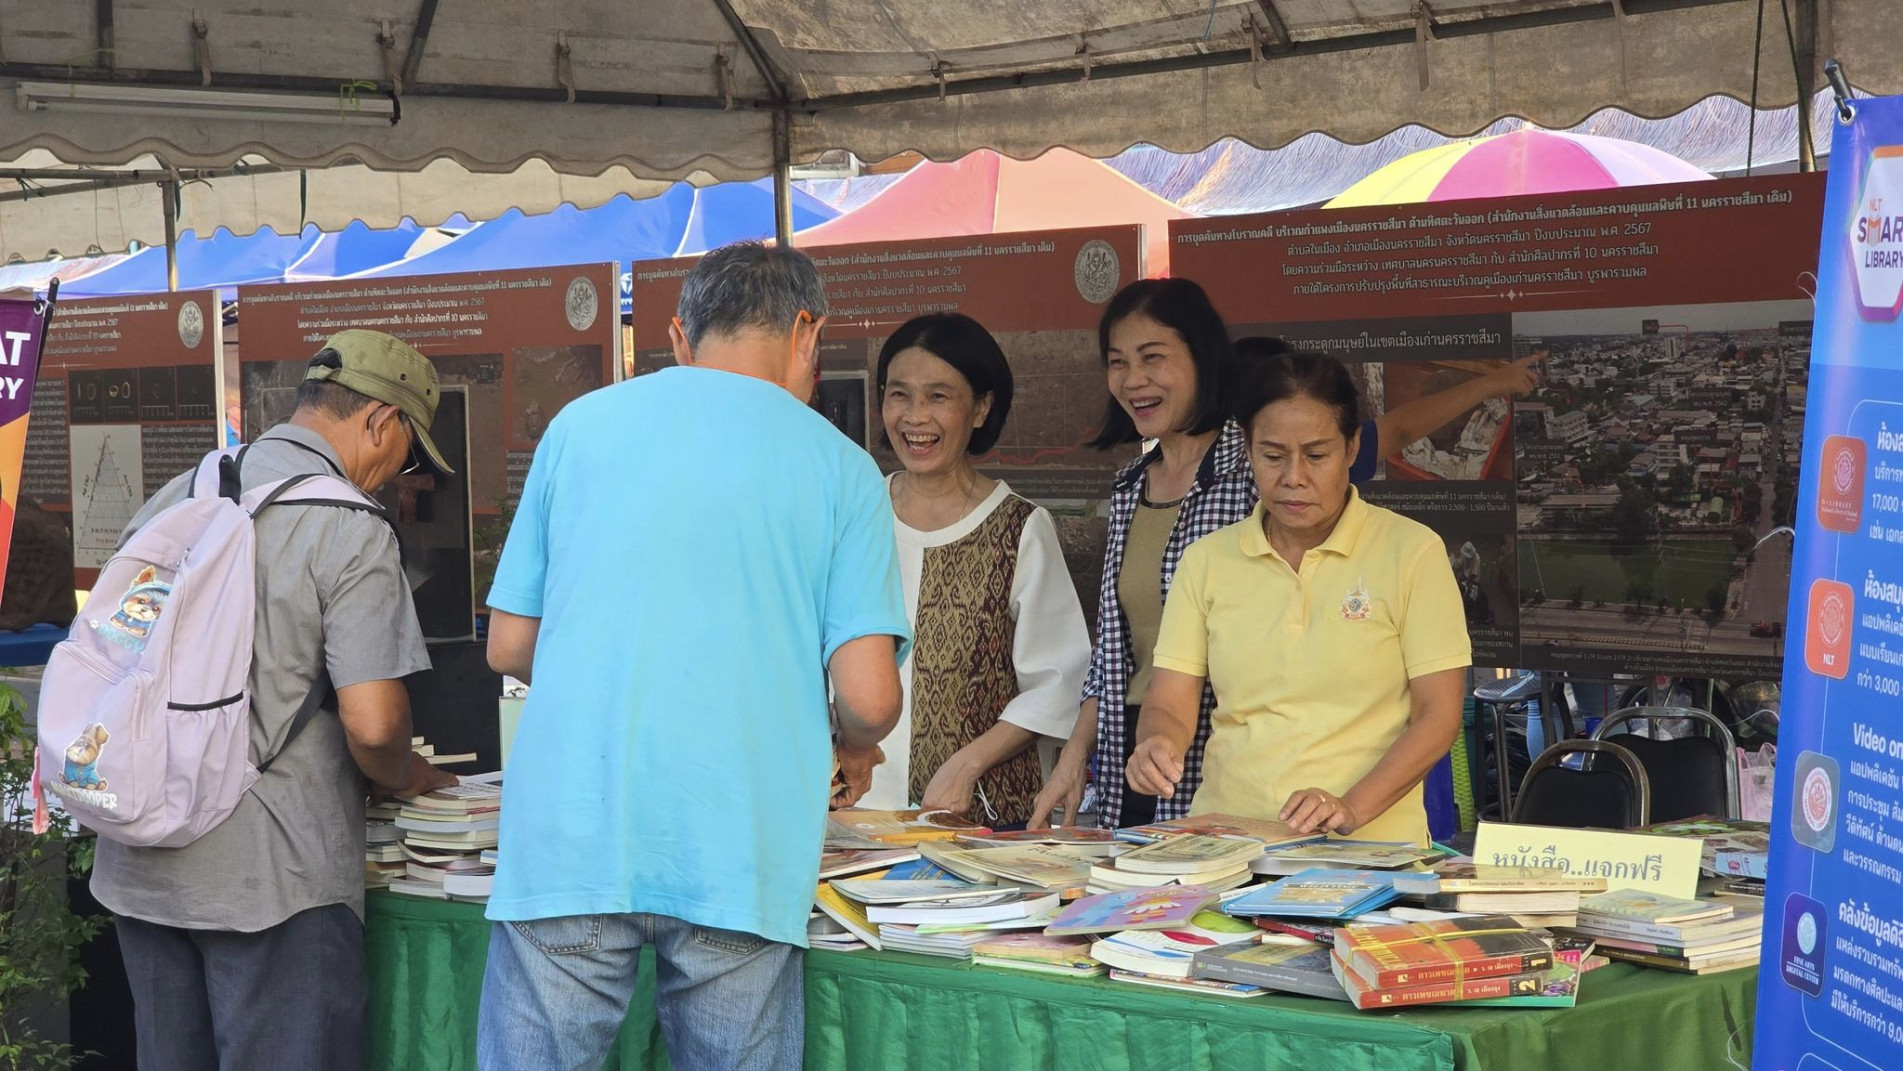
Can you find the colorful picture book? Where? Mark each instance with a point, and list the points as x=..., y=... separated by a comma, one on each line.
x=1420, y=953
x=1133, y=909
x=1287, y=967
x=1318, y=893
x=1189, y=854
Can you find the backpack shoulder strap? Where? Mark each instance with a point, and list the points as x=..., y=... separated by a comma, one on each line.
x=320, y=690
x=217, y=474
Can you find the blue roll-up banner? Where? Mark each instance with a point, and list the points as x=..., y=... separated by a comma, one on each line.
x=1831, y=991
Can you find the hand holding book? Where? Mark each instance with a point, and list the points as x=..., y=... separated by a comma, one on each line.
x=852, y=773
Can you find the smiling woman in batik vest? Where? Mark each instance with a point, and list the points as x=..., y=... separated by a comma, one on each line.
x=1330, y=630
x=1001, y=647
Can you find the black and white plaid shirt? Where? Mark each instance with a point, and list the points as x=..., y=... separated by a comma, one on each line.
x=1224, y=494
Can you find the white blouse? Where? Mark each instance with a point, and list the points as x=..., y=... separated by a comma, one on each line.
x=1050, y=645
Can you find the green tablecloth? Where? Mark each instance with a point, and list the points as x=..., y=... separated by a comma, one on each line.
x=894, y=1011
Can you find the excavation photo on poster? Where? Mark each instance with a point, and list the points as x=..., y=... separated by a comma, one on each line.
x=1657, y=469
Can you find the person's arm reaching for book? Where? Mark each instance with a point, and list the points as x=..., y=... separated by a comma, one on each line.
x=512, y=644
x=376, y=718
x=1065, y=787
x=950, y=788
x=1411, y=421
x=1164, y=732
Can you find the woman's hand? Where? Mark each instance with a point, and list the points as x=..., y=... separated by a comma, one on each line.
x=950, y=788
x=1155, y=767
x=855, y=773
x=1065, y=789
x=1313, y=810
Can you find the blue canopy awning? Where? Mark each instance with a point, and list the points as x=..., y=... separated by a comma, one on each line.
x=680, y=222
x=223, y=261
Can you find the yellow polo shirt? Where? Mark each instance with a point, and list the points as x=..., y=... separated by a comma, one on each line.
x=1311, y=668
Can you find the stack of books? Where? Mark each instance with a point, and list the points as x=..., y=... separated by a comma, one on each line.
x=1481, y=957
x=447, y=832
x=1051, y=867
x=1269, y=834
x=1736, y=853
x=1318, y=894
x=1282, y=964
x=1689, y=936
x=1218, y=863
x=428, y=751
x=382, y=845
x=1168, y=954
x=944, y=918
x=1539, y=898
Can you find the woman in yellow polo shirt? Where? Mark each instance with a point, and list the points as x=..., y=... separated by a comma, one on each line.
x=1330, y=630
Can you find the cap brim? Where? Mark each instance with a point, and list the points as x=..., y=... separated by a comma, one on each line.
x=429, y=448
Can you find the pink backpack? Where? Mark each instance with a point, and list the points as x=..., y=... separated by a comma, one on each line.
x=145, y=710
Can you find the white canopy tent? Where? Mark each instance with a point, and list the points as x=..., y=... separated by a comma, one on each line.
x=382, y=109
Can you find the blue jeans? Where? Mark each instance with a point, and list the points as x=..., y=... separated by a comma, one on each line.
x=556, y=990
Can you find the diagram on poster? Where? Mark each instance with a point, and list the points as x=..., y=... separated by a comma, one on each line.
x=108, y=476
x=1657, y=462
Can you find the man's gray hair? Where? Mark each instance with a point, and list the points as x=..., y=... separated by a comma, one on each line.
x=749, y=284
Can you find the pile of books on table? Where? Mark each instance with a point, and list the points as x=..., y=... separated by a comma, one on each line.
x=1227, y=907
x=1539, y=898
x=448, y=840
x=1704, y=936
x=1736, y=854
x=428, y=751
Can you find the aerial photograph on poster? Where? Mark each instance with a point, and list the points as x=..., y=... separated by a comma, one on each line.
x=1657, y=471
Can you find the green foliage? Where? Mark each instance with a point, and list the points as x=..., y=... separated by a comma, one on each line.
x=40, y=937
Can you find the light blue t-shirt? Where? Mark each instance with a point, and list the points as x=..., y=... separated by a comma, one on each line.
x=697, y=544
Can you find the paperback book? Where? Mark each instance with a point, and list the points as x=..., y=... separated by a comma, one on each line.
x=900, y=827
x=1135, y=909
x=1189, y=854
x=1420, y=953
x=1169, y=953
x=1300, y=967
x=1319, y=893
x=1634, y=905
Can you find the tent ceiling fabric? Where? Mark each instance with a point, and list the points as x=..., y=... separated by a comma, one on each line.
x=665, y=89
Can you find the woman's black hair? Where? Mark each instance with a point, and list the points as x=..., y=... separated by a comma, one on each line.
x=1267, y=371
x=963, y=343
x=1181, y=306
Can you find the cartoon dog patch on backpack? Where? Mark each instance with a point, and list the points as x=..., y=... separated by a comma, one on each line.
x=79, y=777
x=130, y=626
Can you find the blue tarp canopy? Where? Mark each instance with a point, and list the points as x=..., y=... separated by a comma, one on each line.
x=223, y=260
x=357, y=248
x=680, y=222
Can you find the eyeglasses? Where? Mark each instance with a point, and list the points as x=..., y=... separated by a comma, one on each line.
x=415, y=462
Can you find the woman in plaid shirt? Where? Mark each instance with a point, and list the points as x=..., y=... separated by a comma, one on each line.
x=1168, y=362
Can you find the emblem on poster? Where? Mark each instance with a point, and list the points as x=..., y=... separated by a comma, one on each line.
x=1827, y=640
x=582, y=304
x=1840, y=491
x=191, y=324
x=1097, y=271
x=1802, y=954
x=1814, y=818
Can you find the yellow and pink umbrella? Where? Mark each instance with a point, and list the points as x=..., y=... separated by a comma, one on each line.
x=1523, y=162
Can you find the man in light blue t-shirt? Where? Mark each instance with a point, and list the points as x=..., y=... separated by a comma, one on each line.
x=695, y=552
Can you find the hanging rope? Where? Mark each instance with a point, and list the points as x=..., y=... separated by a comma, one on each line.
x=1751, y=132
x=564, y=73
x=1805, y=150
x=392, y=67
x=201, y=47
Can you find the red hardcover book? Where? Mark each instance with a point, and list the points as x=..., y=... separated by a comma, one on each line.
x=1445, y=950
x=1366, y=997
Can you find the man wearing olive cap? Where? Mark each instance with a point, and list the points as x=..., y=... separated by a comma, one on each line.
x=245, y=947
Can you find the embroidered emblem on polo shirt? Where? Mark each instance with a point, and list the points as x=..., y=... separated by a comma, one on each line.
x=1357, y=605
